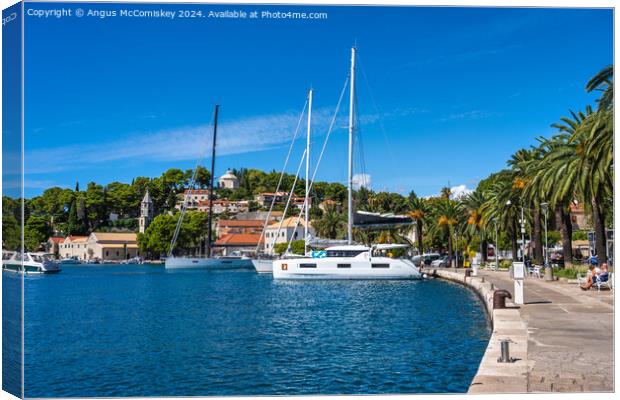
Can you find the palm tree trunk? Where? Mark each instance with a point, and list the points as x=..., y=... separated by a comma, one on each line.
x=513, y=238
x=450, y=247
x=538, y=243
x=483, y=248
x=419, y=236
x=599, y=232
x=566, y=230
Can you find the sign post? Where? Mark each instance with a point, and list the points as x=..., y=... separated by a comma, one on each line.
x=518, y=270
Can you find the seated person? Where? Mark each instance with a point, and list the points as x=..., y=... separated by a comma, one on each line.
x=590, y=278
x=594, y=276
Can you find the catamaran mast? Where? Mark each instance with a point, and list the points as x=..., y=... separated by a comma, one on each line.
x=208, y=252
x=351, y=122
x=307, y=201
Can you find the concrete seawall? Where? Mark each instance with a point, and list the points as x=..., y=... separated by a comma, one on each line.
x=507, y=324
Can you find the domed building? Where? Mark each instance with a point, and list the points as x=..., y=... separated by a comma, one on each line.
x=228, y=181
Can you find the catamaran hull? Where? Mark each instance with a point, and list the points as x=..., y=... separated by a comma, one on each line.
x=207, y=263
x=263, y=266
x=327, y=269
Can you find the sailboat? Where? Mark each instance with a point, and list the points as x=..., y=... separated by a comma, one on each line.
x=351, y=261
x=263, y=263
x=208, y=262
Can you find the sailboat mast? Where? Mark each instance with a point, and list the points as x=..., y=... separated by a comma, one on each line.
x=308, y=172
x=208, y=252
x=351, y=123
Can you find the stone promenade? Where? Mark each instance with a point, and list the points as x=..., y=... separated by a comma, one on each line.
x=570, y=336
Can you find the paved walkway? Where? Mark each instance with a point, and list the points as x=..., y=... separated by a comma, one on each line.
x=570, y=334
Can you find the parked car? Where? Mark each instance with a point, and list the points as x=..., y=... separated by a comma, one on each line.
x=430, y=257
x=417, y=260
x=442, y=262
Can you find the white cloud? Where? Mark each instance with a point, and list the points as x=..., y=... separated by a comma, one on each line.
x=360, y=180
x=460, y=191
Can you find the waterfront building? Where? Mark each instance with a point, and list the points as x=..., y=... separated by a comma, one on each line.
x=236, y=243
x=73, y=246
x=112, y=246
x=228, y=181
x=52, y=245
x=286, y=233
x=146, y=212
x=239, y=226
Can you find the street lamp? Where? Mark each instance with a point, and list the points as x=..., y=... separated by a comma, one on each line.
x=548, y=269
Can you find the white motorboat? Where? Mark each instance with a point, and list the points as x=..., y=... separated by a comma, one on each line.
x=351, y=261
x=29, y=263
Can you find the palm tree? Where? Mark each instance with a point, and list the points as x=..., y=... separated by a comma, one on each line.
x=418, y=211
x=448, y=214
x=603, y=81
x=473, y=202
x=331, y=225
x=498, y=208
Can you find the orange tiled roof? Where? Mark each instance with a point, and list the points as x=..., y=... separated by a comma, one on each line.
x=238, y=239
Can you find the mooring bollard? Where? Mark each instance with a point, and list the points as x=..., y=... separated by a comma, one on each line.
x=505, y=357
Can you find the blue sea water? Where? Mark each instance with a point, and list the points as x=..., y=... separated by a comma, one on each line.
x=143, y=331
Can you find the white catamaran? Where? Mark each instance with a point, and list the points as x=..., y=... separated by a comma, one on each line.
x=208, y=262
x=351, y=261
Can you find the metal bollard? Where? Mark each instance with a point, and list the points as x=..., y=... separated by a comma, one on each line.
x=505, y=357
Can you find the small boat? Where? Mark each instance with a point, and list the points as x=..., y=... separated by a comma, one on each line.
x=133, y=260
x=221, y=262
x=29, y=263
x=70, y=260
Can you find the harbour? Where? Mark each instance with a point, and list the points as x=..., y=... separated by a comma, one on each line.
x=290, y=337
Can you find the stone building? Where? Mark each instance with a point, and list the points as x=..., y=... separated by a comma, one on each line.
x=146, y=212
x=228, y=181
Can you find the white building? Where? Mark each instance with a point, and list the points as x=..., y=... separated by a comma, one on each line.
x=112, y=246
x=73, y=246
x=288, y=231
x=228, y=181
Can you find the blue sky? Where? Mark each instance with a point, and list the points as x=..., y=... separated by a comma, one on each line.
x=445, y=95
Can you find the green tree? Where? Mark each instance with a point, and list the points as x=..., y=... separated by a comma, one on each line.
x=36, y=231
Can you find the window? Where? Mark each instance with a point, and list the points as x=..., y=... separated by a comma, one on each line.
x=305, y=265
x=344, y=265
x=107, y=253
x=380, y=265
x=344, y=253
